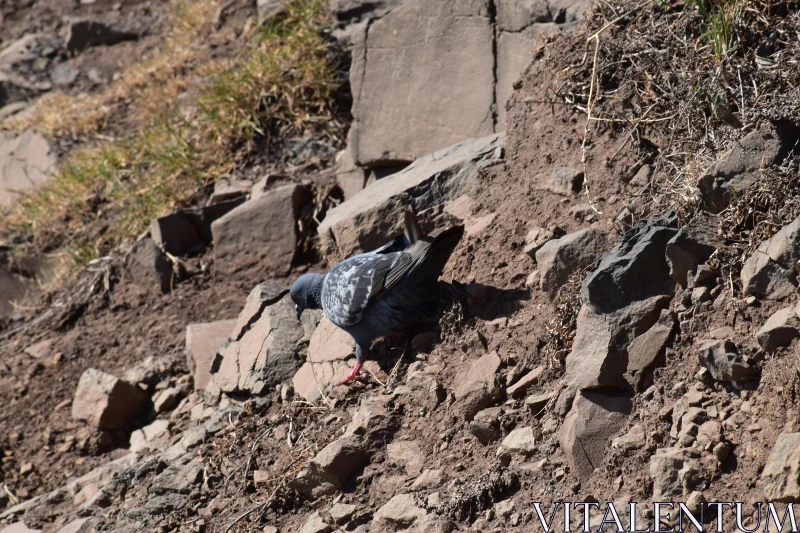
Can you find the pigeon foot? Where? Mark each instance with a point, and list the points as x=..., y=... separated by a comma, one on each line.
x=355, y=374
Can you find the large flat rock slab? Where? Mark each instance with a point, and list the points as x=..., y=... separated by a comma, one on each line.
x=422, y=79
x=368, y=219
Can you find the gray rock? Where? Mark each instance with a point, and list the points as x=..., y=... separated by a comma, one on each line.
x=400, y=512
x=260, y=234
x=565, y=181
x=106, y=402
x=154, y=435
x=692, y=246
x=771, y=272
x=268, y=9
x=82, y=34
x=521, y=441
x=477, y=386
x=739, y=168
x=181, y=479
x=148, y=267
x=593, y=420
x=634, y=439
x=722, y=359
x=780, y=479
x=635, y=269
x=64, y=75
x=672, y=471
x=203, y=340
x=315, y=524
x=174, y=234
x=332, y=468
x=363, y=222
x=268, y=343
x=26, y=162
x=436, y=102
x=560, y=258
x=780, y=329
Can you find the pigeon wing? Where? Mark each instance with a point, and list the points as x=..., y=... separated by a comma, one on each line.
x=356, y=283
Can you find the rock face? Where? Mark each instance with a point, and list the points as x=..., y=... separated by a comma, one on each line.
x=25, y=163
x=635, y=269
x=441, y=82
x=260, y=233
x=738, y=169
x=586, y=432
x=722, y=359
x=560, y=258
x=450, y=56
x=267, y=344
x=371, y=217
x=329, y=350
x=780, y=479
x=107, y=402
x=692, y=246
x=770, y=271
x=202, y=342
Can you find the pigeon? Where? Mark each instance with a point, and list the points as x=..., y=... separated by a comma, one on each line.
x=380, y=293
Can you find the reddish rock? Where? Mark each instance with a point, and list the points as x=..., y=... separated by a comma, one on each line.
x=202, y=342
x=477, y=388
x=107, y=402
x=518, y=389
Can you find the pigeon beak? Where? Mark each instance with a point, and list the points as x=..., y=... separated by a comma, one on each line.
x=298, y=311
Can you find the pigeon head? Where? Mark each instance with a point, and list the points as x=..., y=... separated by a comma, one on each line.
x=306, y=292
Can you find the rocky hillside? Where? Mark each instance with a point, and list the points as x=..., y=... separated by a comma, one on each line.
x=619, y=324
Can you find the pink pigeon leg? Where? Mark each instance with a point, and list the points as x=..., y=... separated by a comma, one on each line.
x=353, y=375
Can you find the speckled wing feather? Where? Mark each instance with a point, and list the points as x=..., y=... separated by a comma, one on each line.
x=354, y=284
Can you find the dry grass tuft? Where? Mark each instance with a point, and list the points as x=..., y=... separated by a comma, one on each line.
x=561, y=328
x=283, y=83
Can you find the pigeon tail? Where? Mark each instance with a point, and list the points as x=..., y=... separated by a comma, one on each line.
x=411, y=226
x=433, y=259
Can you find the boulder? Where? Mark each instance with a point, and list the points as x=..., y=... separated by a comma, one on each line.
x=560, y=258
x=521, y=441
x=374, y=215
x=672, y=471
x=400, y=512
x=332, y=468
x=438, y=77
x=327, y=361
x=692, y=246
x=723, y=361
x=477, y=387
x=739, y=168
x=106, y=402
x=635, y=269
x=260, y=234
x=268, y=343
x=203, y=340
x=26, y=162
x=770, y=271
x=82, y=34
x=148, y=266
x=780, y=479
x=593, y=420
x=780, y=329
